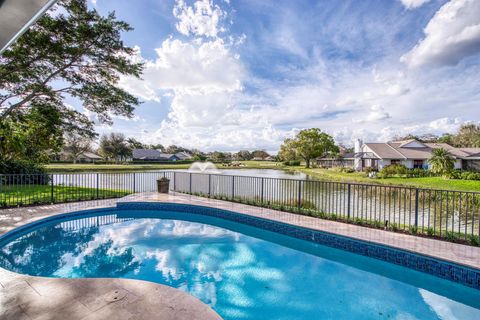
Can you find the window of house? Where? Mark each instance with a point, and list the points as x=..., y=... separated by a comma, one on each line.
x=418, y=164
x=395, y=161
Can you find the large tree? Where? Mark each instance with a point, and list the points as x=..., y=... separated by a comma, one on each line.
x=310, y=144
x=114, y=147
x=468, y=135
x=287, y=151
x=71, y=51
x=243, y=155
x=29, y=136
x=260, y=154
x=76, y=145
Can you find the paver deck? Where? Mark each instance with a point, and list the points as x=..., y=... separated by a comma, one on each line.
x=25, y=297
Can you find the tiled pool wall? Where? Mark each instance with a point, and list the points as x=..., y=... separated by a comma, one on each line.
x=443, y=269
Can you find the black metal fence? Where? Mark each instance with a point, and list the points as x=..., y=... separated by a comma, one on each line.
x=33, y=189
x=454, y=215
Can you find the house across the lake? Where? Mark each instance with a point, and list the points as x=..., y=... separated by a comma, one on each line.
x=84, y=157
x=343, y=159
x=410, y=153
x=158, y=155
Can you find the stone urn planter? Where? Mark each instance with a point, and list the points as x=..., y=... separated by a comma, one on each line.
x=162, y=185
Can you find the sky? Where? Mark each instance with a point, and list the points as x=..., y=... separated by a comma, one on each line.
x=245, y=74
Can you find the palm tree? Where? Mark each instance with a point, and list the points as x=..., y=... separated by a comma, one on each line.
x=441, y=161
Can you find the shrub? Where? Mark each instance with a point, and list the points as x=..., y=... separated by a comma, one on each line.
x=21, y=167
x=451, y=236
x=413, y=229
x=292, y=163
x=36, y=173
x=419, y=173
x=392, y=170
x=342, y=169
x=464, y=175
x=430, y=232
x=474, y=240
x=378, y=224
x=368, y=170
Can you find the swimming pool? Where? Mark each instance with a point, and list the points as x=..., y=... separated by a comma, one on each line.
x=241, y=271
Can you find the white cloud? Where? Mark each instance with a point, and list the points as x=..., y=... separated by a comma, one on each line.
x=376, y=113
x=205, y=67
x=451, y=35
x=213, y=107
x=413, y=4
x=201, y=19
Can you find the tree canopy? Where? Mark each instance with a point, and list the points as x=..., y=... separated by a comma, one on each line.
x=114, y=147
x=468, y=135
x=75, y=145
x=308, y=144
x=73, y=52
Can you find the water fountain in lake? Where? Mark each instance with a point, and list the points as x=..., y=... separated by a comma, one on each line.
x=203, y=167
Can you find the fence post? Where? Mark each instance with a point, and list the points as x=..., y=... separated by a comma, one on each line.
x=348, y=200
x=416, y=207
x=97, y=186
x=299, y=194
x=261, y=197
x=52, y=190
x=174, y=181
x=209, y=184
x=233, y=187
x=134, y=182
x=190, y=182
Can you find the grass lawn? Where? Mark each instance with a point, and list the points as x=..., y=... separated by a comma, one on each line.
x=69, y=167
x=38, y=194
x=429, y=182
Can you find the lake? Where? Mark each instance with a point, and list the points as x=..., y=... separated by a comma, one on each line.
x=401, y=206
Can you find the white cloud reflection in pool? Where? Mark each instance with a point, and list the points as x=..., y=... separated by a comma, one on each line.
x=241, y=276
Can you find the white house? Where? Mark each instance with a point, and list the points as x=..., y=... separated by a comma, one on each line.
x=411, y=154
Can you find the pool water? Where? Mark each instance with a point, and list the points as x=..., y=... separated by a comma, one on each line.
x=240, y=271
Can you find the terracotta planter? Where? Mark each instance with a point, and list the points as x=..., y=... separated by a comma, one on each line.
x=162, y=185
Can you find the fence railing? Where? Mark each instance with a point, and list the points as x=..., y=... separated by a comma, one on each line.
x=33, y=189
x=454, y=215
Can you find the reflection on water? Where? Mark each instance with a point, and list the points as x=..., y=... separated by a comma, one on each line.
x=240, y=276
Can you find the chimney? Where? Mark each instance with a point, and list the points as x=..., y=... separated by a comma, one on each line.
x=358, y=146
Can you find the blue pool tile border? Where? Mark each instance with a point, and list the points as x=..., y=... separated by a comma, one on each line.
x=58, y=217
x=443, y=269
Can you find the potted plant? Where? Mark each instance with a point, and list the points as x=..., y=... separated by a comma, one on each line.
x=162, y=185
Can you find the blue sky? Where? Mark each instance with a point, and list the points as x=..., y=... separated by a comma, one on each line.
x=245, y=74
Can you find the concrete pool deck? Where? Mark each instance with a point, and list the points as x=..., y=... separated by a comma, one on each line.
x=25, y=297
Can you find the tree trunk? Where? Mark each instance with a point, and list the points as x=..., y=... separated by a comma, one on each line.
x=307, y=163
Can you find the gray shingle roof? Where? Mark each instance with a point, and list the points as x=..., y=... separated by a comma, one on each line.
x=401, y=150
x=385, y=151
x=145, y=154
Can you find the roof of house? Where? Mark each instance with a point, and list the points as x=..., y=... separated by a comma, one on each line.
x=384, y=151
x=183, y=155
x=413, y=149
x=155, y=154
x=145, y=154
x=91, y=155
